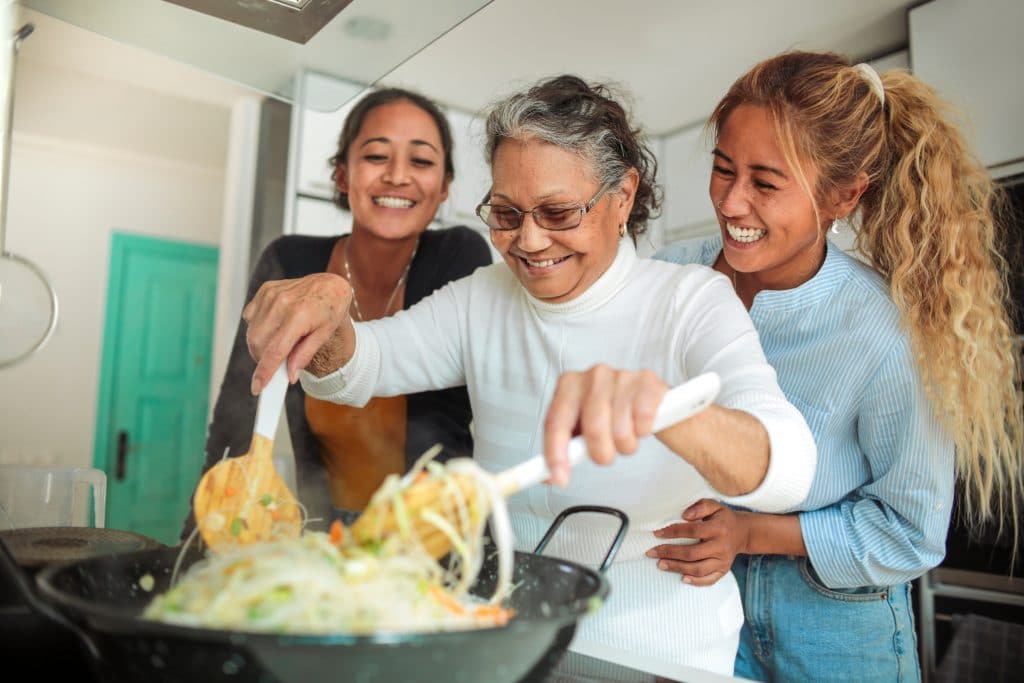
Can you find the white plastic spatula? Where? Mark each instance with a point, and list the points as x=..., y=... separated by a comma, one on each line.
x=679, y=403
x=244, y=499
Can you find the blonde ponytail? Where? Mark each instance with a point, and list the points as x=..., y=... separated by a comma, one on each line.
x=928, y=224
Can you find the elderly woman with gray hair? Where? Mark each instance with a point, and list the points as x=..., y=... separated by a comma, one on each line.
x=576, y=332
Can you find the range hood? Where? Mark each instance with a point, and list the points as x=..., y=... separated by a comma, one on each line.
x=295, y=20
x=265, y=44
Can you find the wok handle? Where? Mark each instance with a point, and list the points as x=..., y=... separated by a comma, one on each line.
x=9, y=566
x=620, y=535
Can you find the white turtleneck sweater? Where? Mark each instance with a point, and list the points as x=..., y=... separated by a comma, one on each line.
x=487, y=332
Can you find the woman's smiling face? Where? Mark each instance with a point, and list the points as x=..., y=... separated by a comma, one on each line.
x=555, y=266
x=766, y=217
x=394, y=172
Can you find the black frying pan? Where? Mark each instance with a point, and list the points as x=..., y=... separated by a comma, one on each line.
x=100, y=599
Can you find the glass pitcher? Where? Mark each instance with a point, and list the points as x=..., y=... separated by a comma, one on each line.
x=51, y=496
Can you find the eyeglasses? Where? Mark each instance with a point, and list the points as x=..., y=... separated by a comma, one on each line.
x=548, y=216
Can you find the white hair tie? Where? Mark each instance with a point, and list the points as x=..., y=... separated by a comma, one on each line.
x=874, y=80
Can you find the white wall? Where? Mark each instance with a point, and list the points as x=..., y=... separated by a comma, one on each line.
x=90, y=156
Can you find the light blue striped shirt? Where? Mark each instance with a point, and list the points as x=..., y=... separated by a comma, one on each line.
x=879, y=506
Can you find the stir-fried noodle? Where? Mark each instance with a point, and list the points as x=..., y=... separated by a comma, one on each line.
x=331, y=583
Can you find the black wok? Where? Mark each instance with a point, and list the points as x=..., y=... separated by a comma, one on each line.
x=100, y=599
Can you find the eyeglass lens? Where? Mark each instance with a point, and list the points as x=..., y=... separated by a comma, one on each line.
x=549, y=217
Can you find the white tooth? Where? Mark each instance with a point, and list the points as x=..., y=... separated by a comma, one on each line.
x=746, y=235
x=393, y=202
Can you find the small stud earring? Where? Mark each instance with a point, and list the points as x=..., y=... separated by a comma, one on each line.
x=622, y=230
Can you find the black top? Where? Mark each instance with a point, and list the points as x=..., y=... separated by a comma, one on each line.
x=432, y=416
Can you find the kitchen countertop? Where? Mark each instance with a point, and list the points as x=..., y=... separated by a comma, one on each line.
x=574, y=667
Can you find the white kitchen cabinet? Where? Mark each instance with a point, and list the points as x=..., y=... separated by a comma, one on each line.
x=322, y=217
x=315, y=133
x=472, y=174
x=971, y=52
x=685, y=171
x=894, y=60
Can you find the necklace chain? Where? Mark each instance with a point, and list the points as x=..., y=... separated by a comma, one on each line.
x=394, y=292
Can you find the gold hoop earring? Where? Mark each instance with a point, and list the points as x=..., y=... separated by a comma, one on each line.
x=622, y=230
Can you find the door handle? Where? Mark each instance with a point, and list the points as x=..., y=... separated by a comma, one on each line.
x=122, y=454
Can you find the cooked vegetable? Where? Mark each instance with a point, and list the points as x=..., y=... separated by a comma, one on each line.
x=329, y=583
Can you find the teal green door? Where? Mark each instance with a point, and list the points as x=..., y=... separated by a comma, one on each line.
x=155, y=381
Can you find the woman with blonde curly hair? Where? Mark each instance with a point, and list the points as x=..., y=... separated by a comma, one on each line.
x=906, y=367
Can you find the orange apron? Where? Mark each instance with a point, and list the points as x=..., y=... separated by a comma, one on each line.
x=359, y=446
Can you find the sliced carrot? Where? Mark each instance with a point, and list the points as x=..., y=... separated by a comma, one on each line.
x=494, y=613
x=229, y=491
x=421, y=477
x=337, y=532
x=447, y=601
x=234, y=567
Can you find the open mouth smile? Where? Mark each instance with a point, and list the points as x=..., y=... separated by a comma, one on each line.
x=394, y=202
x=545, y=263
x=744, y=235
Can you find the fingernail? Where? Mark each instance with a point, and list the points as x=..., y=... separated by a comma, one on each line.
x=687, y=579
x=662, y=564
x=650, y=553
x=563, y=476
x=255, y=387
x=659, y=533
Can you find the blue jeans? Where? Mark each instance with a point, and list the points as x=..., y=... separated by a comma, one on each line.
x=796, y=629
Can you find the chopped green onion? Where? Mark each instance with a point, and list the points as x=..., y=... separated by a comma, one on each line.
x=236, y=526
x=266, y=499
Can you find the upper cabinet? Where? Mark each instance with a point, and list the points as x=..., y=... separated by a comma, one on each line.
x=315, y=137
x=972, y=53
x=894, y=60
x=472, y=174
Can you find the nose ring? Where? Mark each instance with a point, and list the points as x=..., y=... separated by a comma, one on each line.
x=718, y=204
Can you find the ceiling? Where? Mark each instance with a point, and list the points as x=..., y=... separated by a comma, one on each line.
x=676, y=57
x=673, y=58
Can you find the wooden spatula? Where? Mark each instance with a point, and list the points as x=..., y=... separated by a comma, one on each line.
x=379, y=520
x=244, y=499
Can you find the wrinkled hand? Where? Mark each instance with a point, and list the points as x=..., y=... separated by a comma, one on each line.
x=721, y=532
x=297, y=320
x=610, y=408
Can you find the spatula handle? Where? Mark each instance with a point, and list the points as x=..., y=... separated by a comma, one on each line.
x=268, y=408
x=678, y=404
